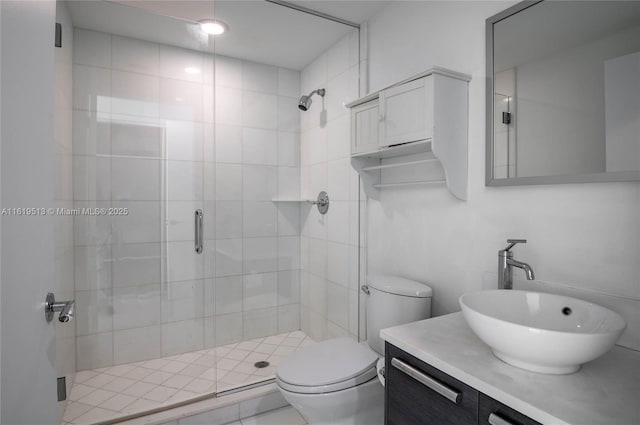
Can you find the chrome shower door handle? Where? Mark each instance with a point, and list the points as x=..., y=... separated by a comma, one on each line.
x=198, y=231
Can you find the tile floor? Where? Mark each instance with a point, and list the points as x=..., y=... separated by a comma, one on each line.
x=107, y=393
x=283, y=416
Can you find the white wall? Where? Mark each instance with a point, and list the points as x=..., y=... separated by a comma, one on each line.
x=329, y=243
x=583, y=239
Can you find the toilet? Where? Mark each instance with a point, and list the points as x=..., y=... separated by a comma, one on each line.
x=336, y=381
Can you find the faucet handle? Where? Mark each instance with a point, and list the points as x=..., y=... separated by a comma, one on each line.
x=513, y=242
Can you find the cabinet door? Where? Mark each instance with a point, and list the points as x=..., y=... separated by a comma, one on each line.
x=492, y=412
x=410, y=399
x=365, y=122
x=407, y=112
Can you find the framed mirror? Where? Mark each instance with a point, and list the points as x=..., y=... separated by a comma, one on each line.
x=563, y=93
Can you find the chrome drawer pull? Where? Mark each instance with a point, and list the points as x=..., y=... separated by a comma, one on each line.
x=427, y=381
x=497, y=420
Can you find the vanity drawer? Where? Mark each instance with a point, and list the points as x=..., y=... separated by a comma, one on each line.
x=492, y=412
x=423, y=395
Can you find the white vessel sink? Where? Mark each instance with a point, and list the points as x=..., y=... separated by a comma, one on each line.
x=541, y=332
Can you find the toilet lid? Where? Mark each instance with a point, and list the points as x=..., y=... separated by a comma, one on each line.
x=399, y=286
x=327, y=362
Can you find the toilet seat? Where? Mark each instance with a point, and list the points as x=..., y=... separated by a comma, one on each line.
x=327, y=366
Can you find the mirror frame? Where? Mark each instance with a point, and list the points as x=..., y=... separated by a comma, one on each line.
x=616, y=176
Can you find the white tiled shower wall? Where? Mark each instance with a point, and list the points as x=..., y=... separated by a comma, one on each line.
x=144, y=140
x=329, y=243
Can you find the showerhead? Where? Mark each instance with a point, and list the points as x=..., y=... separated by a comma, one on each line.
x=304, y=103
x=305, y=100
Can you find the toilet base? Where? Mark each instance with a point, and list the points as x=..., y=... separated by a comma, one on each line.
x=360, y=405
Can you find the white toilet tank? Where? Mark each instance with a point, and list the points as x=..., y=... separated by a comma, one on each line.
x=393, y=301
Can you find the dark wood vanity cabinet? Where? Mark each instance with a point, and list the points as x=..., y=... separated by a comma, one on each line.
x=491, y=412
x=410, y=401
x=419, y=394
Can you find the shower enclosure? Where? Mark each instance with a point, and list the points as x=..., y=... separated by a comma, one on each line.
x=197, y=266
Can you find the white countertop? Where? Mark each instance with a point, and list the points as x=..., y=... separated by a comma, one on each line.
x=605, y=391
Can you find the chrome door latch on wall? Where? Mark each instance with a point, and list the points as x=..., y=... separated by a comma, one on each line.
x=66, y=309
x=322, y=202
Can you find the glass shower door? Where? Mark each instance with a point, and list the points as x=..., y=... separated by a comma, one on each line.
x=187, y=208
x=143, y=157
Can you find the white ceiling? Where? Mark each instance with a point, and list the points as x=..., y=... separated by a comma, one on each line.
x=357, y=11
x=258, y=30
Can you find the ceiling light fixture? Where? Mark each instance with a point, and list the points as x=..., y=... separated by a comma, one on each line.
x=213, y=27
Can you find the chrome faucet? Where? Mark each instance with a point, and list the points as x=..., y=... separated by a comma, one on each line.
x=506, y=264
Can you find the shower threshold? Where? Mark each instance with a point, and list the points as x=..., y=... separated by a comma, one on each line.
x=127, y=390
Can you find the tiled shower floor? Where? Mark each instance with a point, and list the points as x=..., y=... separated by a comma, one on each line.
x=107, y=393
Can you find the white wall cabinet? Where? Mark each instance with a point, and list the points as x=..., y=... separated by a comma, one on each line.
x=406, y=112
x=365, y=124
x=414, y=132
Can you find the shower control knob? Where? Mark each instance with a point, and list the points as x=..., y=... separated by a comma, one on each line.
x=322, y=202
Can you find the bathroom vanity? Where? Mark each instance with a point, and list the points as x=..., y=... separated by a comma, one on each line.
x=438, y=372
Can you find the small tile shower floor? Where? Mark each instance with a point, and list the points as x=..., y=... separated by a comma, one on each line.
x=107, y=393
